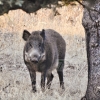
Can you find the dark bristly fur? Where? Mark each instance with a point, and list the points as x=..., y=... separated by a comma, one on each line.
x=44, y=51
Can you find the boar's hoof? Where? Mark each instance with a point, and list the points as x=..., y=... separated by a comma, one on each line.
x=84, y=98
x=49, y=85
x=43, y=89
x=34, y=90
x=62, y=85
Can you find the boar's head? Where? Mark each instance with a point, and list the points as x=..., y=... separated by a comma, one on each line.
x=34, y=51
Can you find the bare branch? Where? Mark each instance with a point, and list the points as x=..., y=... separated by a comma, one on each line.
x=88, y=8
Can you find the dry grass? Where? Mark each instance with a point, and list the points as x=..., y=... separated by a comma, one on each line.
x=15, y=82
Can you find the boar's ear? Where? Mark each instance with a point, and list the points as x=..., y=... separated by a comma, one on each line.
x=43, y=34
x=26, y=35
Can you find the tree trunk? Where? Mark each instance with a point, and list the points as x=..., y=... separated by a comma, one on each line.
x=91, y=23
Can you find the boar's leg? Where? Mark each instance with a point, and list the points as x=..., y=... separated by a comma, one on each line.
x=33, y=78
x=60, y=73
x=43, y=78
x=49, y=80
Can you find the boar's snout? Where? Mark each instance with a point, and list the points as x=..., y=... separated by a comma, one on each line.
x=35, y=59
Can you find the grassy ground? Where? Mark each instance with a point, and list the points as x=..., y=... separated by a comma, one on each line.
x=15, y=81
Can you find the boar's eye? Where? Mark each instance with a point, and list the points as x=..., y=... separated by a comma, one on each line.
x=30, y=44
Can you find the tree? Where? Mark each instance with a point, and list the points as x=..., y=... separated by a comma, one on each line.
x=91, y=23
x=28, y=6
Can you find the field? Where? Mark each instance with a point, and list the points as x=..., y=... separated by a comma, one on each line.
x=15, y=81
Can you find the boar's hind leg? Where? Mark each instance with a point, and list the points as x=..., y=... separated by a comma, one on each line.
x=49, y=80
x=60, y=73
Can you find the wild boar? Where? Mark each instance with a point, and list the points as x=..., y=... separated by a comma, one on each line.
x=43, y=52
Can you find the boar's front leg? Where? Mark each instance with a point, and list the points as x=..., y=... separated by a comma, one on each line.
x=33, y=77
x=43, y=78
x=33, y=80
